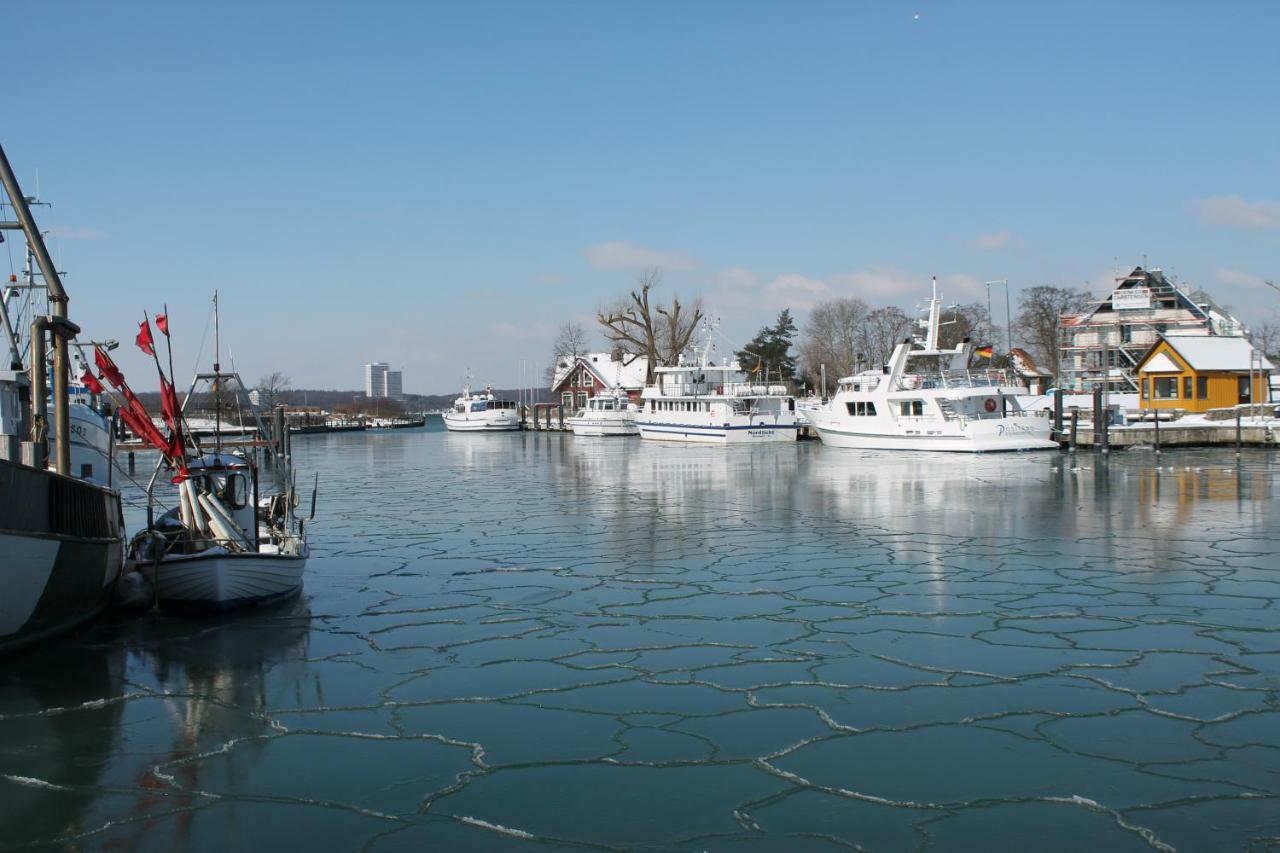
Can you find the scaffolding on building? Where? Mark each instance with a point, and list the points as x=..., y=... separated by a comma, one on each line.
x=1102, y=345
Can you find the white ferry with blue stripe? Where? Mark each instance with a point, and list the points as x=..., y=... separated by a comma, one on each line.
x=711, y=403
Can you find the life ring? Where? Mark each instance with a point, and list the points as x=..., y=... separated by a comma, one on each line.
x=990, y=404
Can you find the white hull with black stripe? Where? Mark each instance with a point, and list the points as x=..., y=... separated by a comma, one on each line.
x=61, y=552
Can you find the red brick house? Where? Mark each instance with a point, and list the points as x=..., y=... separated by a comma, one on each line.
x=592, y=373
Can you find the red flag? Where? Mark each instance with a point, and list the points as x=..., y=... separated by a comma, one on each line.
x=162, y=323
x=173, y=418
x=107, y=368
x=144, y=340
x=91, y=382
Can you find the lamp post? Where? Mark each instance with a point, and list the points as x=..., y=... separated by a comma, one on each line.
x=1008, y=314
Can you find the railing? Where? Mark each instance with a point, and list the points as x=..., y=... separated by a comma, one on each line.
x=729, y=389
x=954, y=379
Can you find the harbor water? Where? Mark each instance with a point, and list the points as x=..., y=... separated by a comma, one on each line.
x=532, y=642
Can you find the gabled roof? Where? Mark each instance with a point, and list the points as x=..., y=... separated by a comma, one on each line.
x=612, y=373
x=1207, y=352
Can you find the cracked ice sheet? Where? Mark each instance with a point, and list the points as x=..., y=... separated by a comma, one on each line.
x=525, y=641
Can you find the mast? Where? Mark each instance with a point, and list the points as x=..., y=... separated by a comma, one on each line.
x=217, y=381
x=58, y=324
x=931, y=331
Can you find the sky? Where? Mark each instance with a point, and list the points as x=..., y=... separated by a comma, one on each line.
x=440, y=186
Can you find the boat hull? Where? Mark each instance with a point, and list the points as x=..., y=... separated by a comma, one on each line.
x=61, y=552
x=221, y=581
x=602, y=426
x=708, y=434
x=467, y=423
x=1005, y=434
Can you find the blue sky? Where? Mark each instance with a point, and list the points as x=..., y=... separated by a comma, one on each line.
x=440, y=185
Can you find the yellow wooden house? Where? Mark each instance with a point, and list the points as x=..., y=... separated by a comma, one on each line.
x=1196, y=373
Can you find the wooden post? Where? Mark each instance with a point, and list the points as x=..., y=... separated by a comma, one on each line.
x=1238, y=435
x=560, y=415
x=131, y=461
x=1057, y=413
x=1157, y=442
x=1075, y=418
x=1099, y=425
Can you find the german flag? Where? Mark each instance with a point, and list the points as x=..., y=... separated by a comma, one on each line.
x=985, y=352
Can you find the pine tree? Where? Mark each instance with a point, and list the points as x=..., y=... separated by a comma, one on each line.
x=770, y=350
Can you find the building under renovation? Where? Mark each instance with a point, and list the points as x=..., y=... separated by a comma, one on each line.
x=1103, y=345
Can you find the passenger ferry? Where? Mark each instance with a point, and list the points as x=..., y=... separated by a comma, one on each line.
x=929, y=399
x=605, y=414
x=715, y=404
x=482, y=413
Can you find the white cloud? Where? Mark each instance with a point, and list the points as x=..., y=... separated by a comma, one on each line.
x=998, y=240
x=1235, y=212
x=1237, y=277
x=736, y=278
x=881, y=283
x=625, y=255
x=797, y=291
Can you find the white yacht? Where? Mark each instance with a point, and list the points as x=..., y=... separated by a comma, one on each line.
x=714, y=403
x=482, y=412
x=929, y=399
x=605, y=414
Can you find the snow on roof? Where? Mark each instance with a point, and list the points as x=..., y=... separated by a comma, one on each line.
x=1216, y=352
x=614, y=374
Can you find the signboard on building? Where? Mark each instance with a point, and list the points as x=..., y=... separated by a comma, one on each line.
x=1130, y=298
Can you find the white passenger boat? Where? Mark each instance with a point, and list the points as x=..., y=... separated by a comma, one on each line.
x=714, y=403
x=482, y=413
x=929, y=399
x=605, y=414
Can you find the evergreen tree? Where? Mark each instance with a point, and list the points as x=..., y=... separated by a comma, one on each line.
x=770, y=350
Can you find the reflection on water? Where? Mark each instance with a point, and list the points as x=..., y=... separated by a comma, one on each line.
x=526, y=640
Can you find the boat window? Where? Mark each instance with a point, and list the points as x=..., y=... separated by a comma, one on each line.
x=912, y=408
x=478, y=407
x=234, y=492
x=861, y=409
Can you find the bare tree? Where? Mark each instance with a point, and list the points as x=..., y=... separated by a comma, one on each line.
x=640, y=328
x=831, y=338
x=271, y=389
x=1265, y=337
x=883, y=329
x=570, y=342
x=1039, y=320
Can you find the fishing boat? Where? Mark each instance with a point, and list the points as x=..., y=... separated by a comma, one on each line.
x=611, y=413
x=705, y=402
x=482, y=412
x=61, y=535
x=224, y=544
x=926, y=398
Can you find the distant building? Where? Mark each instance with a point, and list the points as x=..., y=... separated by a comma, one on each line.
x=375, y=379
x=1102, y=346
x=1201, y=372
x=577, y=379
x=394, y=385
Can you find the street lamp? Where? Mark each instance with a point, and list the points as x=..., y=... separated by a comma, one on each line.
x=1008, y=318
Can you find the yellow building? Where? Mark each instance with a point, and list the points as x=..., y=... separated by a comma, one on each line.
x=1196, y=373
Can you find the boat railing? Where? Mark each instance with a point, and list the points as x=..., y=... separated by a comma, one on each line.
x=953, y=379
x=728, y=389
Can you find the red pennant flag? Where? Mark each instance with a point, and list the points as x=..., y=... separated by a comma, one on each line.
x=91, y=382
x=107, y=368
x=144, y=340
x=162, y=323
x=173, y=419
